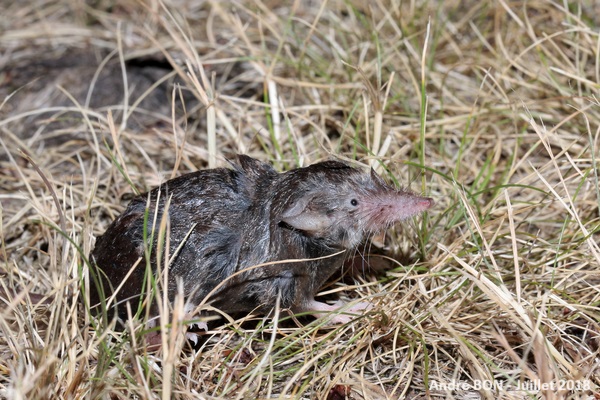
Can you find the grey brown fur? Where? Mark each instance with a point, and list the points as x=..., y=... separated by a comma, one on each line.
x=225, y=220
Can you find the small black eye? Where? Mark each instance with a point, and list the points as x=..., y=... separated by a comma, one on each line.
x=354, y=202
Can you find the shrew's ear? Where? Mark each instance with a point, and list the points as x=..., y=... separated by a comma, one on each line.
x=301, y=217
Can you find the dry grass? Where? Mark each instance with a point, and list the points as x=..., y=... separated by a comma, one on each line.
x=489, y=107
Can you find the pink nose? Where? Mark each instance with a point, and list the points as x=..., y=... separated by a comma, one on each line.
x=426, y=202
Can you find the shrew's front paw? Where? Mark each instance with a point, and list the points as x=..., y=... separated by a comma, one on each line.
x=339, y=312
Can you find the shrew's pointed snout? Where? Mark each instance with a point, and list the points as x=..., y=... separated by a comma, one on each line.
x=425, y=203
x=381, y=210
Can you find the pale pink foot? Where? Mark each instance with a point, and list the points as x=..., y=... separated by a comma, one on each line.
x=192, y=336
x=347, y=314
x=154, y=338
x=190, y=314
